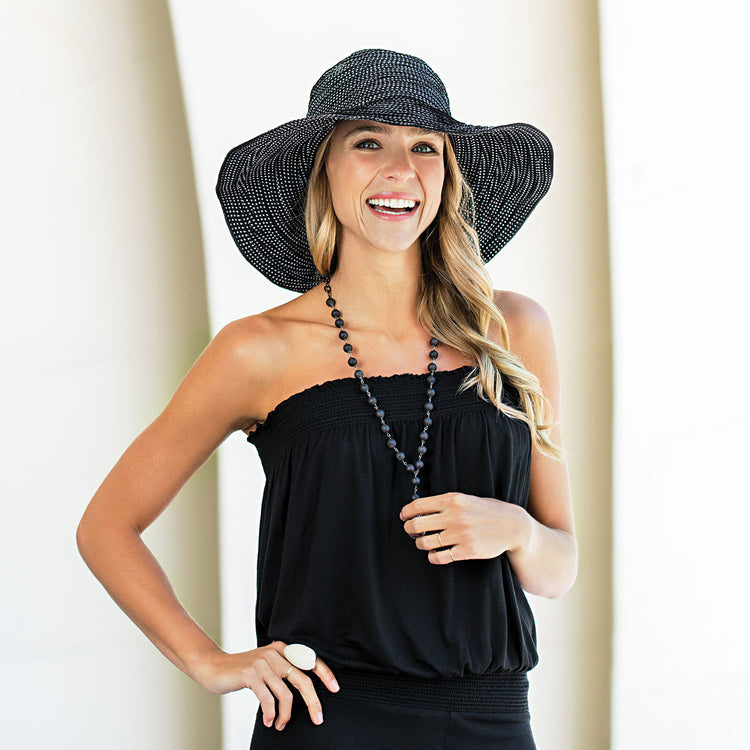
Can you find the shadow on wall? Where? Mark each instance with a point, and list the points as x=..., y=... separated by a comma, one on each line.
x=108, y=308
x=185, y=538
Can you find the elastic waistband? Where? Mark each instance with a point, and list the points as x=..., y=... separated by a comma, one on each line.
x=501, y=692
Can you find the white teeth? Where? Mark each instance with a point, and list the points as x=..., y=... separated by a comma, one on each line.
x=392, y=202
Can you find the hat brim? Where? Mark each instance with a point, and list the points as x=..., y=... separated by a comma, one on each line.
x=262, y=183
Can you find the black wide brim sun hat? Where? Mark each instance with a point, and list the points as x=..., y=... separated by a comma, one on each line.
x=262, y=183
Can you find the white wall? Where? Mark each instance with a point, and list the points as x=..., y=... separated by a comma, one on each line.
x=248, y=67
x=675, y=77
x=102, y=303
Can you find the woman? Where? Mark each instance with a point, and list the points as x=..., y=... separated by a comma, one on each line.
x=408, y=504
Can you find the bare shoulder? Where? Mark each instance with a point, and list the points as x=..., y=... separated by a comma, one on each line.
x=264, y=358
x=248, y=345
x=529, y=325
x=253, y=353
x=220, y=387
x=256, y=345
x=519, y=310
x=531, y=339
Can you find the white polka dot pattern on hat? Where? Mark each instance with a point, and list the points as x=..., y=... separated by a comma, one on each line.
x=262, y=183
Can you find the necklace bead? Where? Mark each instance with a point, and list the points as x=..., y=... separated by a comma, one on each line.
x=385, y=428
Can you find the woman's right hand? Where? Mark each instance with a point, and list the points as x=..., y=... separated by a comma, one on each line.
x=264, y=671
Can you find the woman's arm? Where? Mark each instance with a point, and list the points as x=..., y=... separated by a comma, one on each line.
x=214, y=399
x=546, y=560
x=540, y=541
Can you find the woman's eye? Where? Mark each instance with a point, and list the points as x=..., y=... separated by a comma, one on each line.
x=366, y=144
x=425, y=148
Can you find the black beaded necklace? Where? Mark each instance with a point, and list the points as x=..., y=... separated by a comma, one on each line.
x=418, y=465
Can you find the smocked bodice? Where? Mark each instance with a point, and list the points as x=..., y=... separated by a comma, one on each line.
x=336, y=569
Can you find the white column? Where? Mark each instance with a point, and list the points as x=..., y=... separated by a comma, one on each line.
x=675, y=76
x=103, y=308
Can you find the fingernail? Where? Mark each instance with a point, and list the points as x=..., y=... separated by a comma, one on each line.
x=281, y=727
x=401, y=516
x=318, y=718
x=335, y=685
x=268, y=722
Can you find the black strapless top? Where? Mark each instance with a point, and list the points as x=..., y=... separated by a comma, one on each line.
x=337, y=571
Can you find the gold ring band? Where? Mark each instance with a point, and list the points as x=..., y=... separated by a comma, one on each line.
x=450, y=552
x=288, y=672
x=440, y=539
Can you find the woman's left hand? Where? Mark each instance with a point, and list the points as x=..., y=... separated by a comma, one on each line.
x=465, y=527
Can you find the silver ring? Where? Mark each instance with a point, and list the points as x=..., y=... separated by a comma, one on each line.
x=450, y=552
x=440, y=539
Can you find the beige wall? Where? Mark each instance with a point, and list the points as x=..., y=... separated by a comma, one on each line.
x=561, y=258
x=103, y=307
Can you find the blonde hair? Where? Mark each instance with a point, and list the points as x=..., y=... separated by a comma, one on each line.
x=455, y=296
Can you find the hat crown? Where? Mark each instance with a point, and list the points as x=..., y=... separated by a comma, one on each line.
x=374, y=76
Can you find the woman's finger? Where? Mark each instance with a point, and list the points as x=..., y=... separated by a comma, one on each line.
x=307, y=690
x=283, y=695
x=297, y=677
x=425, y=524
x=321, y=668
x=444, y=556
x=326, y=675
x=267, y=704
x=425, y=506
x=433, y=541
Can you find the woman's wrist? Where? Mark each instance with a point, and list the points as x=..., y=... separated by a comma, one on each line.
x=203, y=663
x=523, y=531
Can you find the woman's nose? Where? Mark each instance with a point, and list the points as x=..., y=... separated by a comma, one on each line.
x=399, y=166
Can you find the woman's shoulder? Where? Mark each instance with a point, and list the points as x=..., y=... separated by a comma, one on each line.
x=247, y=343
x=259, y=343
x=518, y=308
x=265, y=352
x=529, y=326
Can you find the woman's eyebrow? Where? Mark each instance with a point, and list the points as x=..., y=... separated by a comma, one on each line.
x=382, y=129
x=367, y=129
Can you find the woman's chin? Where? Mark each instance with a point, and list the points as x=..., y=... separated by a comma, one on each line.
x=395, y=247
x=394, y=241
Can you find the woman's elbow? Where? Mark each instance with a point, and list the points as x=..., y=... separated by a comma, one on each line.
x=85, y=536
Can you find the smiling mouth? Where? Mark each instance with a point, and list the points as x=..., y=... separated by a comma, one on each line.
x=392, y=205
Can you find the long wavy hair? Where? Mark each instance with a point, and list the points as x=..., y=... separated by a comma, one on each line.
x=455, y=297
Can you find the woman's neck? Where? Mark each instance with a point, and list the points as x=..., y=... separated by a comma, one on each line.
x=378, y=294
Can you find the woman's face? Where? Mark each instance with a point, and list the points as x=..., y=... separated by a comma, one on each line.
x=386, y=183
